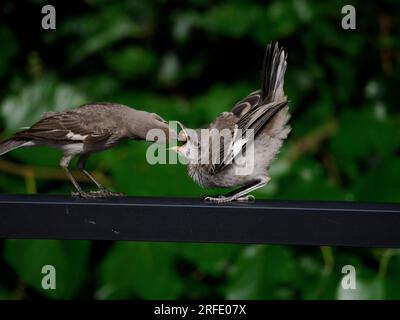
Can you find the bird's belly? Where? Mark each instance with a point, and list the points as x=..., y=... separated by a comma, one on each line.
x=72, y=148
x=225, y=179
x=76, y=148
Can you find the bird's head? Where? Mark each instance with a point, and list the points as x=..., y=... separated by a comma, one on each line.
x=190, y=146
x=151, y=127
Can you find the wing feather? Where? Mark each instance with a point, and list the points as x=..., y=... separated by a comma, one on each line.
x=67, y=126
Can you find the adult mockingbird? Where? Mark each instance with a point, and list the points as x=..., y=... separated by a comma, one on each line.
x=89, y=129
x=258, y=123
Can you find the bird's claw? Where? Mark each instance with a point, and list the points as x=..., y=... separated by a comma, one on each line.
x=97, y=194
x=248, y=198
x=218, y=199
x=83, y=194
x=108, y=194
x=224, y=199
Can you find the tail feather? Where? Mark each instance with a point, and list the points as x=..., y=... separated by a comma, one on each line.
x=12, y=144
x=273, y=73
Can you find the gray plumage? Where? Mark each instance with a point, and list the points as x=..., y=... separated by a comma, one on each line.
x=266, y=113
x=86, y=130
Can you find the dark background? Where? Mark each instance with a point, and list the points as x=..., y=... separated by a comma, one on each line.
x=189, y=61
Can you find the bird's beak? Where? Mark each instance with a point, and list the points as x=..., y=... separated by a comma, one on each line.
x=174, y=148
x=184, y=130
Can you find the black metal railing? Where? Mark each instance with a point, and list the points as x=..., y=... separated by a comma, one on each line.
x=164, y=219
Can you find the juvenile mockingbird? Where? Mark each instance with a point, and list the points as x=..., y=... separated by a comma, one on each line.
x=265, y=114
x=86, y=130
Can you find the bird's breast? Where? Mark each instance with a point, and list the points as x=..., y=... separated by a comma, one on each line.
x=224, y=179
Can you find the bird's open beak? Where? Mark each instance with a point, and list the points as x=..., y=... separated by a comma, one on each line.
x=174, y=148
x=186, y=136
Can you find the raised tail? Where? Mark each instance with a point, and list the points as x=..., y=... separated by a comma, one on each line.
x=273, y=74
x=12, y=144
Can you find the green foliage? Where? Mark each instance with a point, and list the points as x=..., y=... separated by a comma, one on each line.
x=69, y=258
x=212, y=259
x=306, y=179
x=31, y=101
x=262, y=272
x=132, y=62
x=8, y=51
x=189, y=61
x=139, y=269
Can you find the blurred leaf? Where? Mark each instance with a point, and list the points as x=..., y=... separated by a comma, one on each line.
x=262, y=272
x=232, y=19
x=173, y=178
x=361, y=133
x=210, y=258
x=69, y=258
x=99, y=88
x=34, y=156
x=219, y=98
x=9, y=184
x=392, y=278
x=307, y=180
x=100, y=29
x=316, y=281
x=144, y=270
x=8, y=49
x=132, y=62
x=4, y=294
x=31, y=101
x=315, y=116
x=236, y=19
x=381, y=184
x=284, y=17
x=183, y=23
x=369, y=285
x=367, y=289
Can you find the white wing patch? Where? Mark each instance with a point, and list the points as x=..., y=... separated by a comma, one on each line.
x=234, y=147
x=76, y=137
x=237, y=146
x=29, y=144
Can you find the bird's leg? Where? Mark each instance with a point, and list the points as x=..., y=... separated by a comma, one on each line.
x=81, y=166
x=240, y=194
x=102, y=192
x=64, y=163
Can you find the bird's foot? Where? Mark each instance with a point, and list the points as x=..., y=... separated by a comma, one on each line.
x=217, y=199
x=97, y=194
x=224, y=199
x=247, y=198
x=84, y=194
x=109, y=194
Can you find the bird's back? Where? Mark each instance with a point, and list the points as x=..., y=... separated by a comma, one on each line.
x=264, y=111
x=98, y=116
